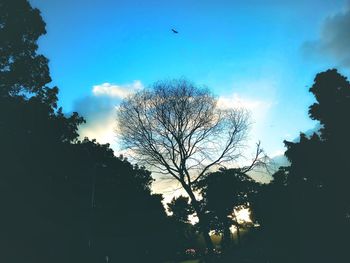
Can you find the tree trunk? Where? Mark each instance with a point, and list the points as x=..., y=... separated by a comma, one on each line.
x=226, y=237
x=205, y=232
x=237, y=229
x=201, y=218
x=238, y=235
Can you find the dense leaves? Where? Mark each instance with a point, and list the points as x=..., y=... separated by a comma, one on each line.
x=63, y=200
x=21, y=68
x=309, y=201
x=223, y=192
x=180, y=208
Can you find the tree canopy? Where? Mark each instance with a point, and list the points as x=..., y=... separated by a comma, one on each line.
x=310, y=197
x=223, y=192
x=63, y=199
x=22, y=69
x=179, y=129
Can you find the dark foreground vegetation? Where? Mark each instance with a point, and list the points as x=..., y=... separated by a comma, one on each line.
x=64, y=199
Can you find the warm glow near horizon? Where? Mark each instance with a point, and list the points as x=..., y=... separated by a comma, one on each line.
x=243, y=215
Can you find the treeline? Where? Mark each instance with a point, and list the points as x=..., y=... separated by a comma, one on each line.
x=305, y=212
x=64, y=199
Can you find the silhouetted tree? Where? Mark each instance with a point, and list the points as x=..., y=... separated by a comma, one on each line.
x=185, y=233
x=311, y=196
x=223, y=192
x=63, y=200
x=123, y=220
x=177, y=129
x=22, y=70
x=34, y=134
x=332, y=106
x=180, y=209
x=317, y=169
x=278, y=236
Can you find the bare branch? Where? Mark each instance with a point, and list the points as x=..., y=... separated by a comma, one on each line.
x=177, y=128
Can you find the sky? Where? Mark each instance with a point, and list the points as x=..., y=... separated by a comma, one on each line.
x=262, y=55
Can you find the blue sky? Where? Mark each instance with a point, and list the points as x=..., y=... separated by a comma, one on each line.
x=261, y=54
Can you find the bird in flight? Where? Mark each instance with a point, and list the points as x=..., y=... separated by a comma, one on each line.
x=174, y=31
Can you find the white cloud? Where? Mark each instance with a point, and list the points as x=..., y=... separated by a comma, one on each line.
x=99, y=109
x=259, y=110
x=277, y=153
x=237, y=101
x=102, y=130
x=117, y=91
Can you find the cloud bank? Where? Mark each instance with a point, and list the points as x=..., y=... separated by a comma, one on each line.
x=257, y=107
x=334, y=40
x=99, y=110
x=117, y=91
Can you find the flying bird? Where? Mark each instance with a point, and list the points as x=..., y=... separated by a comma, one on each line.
x=174, y=31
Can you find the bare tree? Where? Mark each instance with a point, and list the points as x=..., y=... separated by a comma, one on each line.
x=178, y=129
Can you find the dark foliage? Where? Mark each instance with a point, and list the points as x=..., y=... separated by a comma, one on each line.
x=305, y=211
x=223, y=191
x=61, y=199
x=181, y=209
x=21, y=68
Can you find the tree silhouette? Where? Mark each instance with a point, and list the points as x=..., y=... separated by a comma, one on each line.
x=317, y=171
x=35, y=136
x=184, y=233
x=273, y=209
x=332, y=94
x=222, y=192
x=311, y=196
x=122, y=219
x=22, y=70
x=177, y=129
x=63, y=200
x=180, y=209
